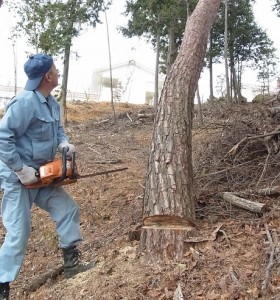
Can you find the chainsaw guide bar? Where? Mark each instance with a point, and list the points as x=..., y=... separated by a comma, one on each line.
x=63, y=171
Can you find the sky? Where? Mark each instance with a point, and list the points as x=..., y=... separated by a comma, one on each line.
x=91, y=47
x=92, y=50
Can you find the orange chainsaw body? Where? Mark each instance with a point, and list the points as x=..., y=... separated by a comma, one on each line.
x=52, y=173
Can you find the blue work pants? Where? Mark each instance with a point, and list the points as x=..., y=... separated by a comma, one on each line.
x=16, y=204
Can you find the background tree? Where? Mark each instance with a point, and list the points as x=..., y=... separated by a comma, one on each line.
x=161, y=23
x=226, y=51
x=248, y=44
x=267, y=72
x=30, y=21
x=276, y=7
x=110, y=65
x=51, y=26
x=221, y=86
x=155, y=20
x=169, y=180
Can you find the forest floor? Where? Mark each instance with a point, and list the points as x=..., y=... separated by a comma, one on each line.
x=233, y=253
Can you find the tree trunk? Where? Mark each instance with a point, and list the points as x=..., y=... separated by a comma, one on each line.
x=239, y=83
x=234, y=84
x=110, y=64
x=188, y=8
x=228, y=96
x=232, y=76
x=171, y=46
x=64, y=84
x=155, y=104
x=211, y=70
x=66, y=60
x=200, y=117
x=169, y=180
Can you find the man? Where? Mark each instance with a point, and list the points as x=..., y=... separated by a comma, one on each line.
x=30, y=134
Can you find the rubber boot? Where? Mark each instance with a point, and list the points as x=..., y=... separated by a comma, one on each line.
x=72, y=263
x=4, y=291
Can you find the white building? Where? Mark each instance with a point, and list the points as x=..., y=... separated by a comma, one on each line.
x=132, y=83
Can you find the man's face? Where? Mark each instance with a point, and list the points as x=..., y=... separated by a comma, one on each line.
x=53, y=75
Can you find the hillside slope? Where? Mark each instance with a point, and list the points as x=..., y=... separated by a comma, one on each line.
x=228, y=254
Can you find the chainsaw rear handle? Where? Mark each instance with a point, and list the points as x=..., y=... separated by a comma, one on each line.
x=64, y=165
x=64, y=169
x=73, y=162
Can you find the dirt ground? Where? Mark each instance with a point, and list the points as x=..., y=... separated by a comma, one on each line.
x=233, y=253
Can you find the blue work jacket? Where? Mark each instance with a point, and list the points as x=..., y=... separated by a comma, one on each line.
x=30, y=130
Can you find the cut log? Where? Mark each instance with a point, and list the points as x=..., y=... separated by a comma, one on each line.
x=243, y=203
x=101, y=122
x=42, y=279
x=270, y=191
x=105, y=162
x=146, y=115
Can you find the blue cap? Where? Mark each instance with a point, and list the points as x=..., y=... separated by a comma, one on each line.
x=35, y=68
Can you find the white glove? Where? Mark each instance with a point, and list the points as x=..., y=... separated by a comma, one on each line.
x=70, y=151
x=27, y=175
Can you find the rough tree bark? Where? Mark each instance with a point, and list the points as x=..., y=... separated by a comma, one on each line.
x=169, y=180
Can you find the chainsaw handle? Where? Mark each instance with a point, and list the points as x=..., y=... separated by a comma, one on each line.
x=64, y=166
x=64, y=162
x=73, y=164
x=73, y=161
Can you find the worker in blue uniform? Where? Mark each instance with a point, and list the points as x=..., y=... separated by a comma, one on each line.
x=30, y=135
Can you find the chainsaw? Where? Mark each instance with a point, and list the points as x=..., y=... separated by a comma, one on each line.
x=63, y=171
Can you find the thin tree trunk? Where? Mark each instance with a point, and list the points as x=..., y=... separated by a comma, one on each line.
x=157, y=71
x=234, y=83
x=35, y=29
x=66, y=61
x=110, y=64
x=171, y=46
x=65, y=83
x=211, y=70
x=169, y=180
x=200, y=118
x=188, y=8
x=239, y=83
x=228, y=97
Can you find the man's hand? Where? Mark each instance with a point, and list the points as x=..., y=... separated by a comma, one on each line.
x=27, y=175
x=70, y=149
